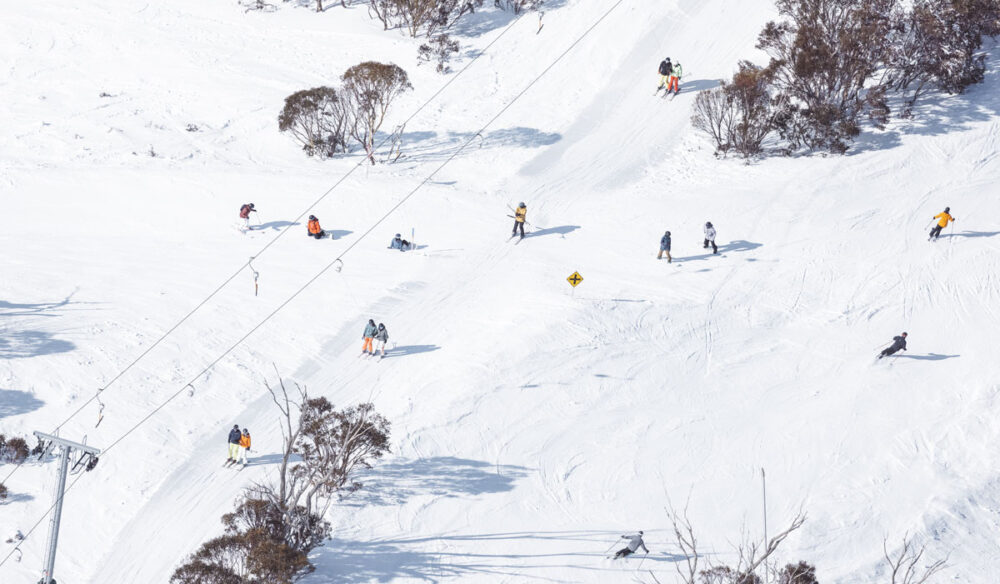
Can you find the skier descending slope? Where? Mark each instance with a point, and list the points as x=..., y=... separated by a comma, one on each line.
x=710, y=237
x=898, y=342
x=943, y=219
x=665, y=70
x=634, y=542
x=234, y=445
x=675, y=77
x=665, y=247
x=244, y=447
x=381, y=338
x=245, y=211
x=520, y=215
x=368, y=336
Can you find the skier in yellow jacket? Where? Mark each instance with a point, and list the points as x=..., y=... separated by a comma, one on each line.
x=942, y=221
x=519, y=216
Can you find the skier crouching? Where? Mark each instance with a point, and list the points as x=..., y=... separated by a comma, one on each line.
x=898, y=343
x=634, y=543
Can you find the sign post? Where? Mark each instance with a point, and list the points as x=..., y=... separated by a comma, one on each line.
x=574, y=280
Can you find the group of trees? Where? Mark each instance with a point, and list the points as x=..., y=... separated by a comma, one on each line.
x=834, y=65
x=324, y=120
x=274, y=526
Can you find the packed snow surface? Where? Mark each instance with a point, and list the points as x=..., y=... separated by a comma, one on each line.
x=532, y=423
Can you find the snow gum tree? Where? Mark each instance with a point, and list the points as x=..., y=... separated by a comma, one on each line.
x=318, y=120
x=371, y=88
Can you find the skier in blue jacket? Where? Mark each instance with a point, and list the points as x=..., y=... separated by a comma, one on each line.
x=234, y=444
x=665, y=247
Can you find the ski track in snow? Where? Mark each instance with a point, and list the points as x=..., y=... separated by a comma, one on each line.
x=532, y=424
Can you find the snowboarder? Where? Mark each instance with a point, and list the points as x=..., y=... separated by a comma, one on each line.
x=234, y=444
x=943, y=219
x=245, y=211
x=520, y=214
x=314, y=229
x=665, y=71
x=634, y=542
x=368, y=336
x=665, y=247
x=382, y=336
x=898, y=343
x=710, y=237
x=675, y=77
x=244, y=446
x=399, y=243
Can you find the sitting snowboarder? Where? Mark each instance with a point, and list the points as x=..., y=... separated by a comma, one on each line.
x=399, y=243
x=314, y=229
x=634, y=543
x=897, y=344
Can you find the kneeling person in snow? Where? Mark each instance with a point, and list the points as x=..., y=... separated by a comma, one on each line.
x=314, y=229
x=634, y=542
x=382, y=336
x=897, y=344
x=710, y=237
x=244, y=446
x=399, y=243
x=665, y=247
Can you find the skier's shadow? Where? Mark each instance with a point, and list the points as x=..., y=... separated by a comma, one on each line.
x=561, y=230
x=732, y=246
x=972, y=234
x=409, y=350
x=275, y=225
x=928, y=357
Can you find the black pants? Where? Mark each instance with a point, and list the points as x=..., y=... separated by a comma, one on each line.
x=623, y=552
x=319, y=235
x=518, y=224
x=936, y=231
x=887, y=352
x=712, y=243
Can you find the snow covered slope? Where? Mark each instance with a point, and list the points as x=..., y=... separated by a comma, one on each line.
x=532, y=424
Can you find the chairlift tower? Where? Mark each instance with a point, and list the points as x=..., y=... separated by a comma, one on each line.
x=87, y=454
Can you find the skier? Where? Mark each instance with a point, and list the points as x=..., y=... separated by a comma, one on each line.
x=897, y=344
x=710, y=237
x=665, y=247
x=519, y=217
x=943, y=219
x=634, y=543
x=368, y=335
x=314, y=229
x=234, y=444
x=399, y=243
x=382, y=336
x=245, y=211
x=244, y=446
x=665, y=71
x=675, y=77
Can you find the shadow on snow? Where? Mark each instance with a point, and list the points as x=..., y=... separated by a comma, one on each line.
x=21, y=344
x=15, y=403
x=733, y=246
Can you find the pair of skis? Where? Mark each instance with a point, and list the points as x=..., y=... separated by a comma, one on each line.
x=230, y=463
x=672, y=94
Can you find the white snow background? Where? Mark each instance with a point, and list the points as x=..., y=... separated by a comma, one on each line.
x=532, y=424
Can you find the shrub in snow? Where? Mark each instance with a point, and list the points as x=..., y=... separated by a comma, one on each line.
x=318, y=119
x=370, y=88
x=741, y=114
x=439, y=48
x=3, y=492
x=518, y=6
x=421, y=15
x=801, y=573
x=13, y=450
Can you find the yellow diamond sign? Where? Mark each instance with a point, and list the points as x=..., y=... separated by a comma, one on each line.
x=575, y=279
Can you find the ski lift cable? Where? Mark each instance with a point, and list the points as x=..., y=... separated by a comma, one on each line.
x=332, y=263
x=363, y=161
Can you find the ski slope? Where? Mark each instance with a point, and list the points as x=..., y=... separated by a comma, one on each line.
x=532, y=423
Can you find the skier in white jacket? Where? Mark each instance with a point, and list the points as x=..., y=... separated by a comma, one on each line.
x=634, y=542
x=710, y=237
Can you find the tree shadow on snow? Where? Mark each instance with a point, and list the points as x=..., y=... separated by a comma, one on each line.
x=731, y=247
x=489, y=19
x=269, y=459
x=395, y=482
x=409, y=350
x=428, y=146
x=410, y=558
x=699, y=85
x=561, y=230
x=928, y=357
x=15, y=403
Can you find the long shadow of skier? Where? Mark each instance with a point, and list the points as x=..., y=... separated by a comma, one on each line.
x=732, y=246
x=561, y=230
x=927, y=357
x=972, y=234
x=275, y=225
x=410, y=350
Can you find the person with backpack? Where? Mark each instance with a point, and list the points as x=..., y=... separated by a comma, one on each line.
x=898, y=343
x=710, y=237
x=234, y=444
x=943, y=219
x=665, y=247
x=382, y=336
x=634, y=543
x=244, y=446
x=399, y=243
x=665, y=70
x=675, y=76
x=368, y=336
x=314, y=229
x=520, y=216
x=245, y=211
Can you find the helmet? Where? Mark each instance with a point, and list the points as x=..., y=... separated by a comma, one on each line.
x=947, y=209
x=708, y=224
x=521, y=204
x=371, y=321
x=640, y=532
x=398, y=236
x=245, y=431
x=668, y=233
x=250, y=205
x=236, y=426
x=312, y=217
x=903, y=335
x=381, y=326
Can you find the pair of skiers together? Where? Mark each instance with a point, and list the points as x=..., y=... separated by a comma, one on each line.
x=373, y=333
x=709, y=240
x=670, y=76
x=239, y=445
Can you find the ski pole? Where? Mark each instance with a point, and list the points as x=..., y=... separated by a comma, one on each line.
x=642, y=560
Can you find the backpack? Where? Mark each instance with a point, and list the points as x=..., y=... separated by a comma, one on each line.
x=665, y=68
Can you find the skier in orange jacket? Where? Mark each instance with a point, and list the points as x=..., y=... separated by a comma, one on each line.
x=314, y=229
x=942, y=221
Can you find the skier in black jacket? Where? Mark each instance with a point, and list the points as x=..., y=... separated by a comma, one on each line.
x=666, y=68
x=234, y=444
x=897, y=344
